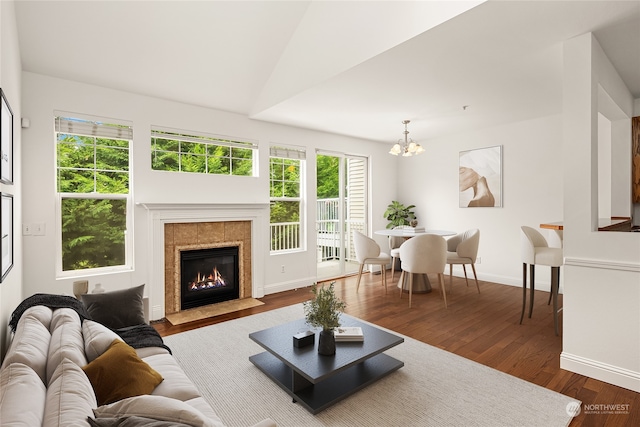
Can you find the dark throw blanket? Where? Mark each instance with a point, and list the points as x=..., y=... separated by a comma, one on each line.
x=138, y=336
x=48, y=300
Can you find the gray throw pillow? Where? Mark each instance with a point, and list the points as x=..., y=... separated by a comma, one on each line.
x=116, y=309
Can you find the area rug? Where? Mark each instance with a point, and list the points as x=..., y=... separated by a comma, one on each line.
x=434, y=388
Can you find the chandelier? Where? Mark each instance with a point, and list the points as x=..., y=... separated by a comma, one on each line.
x=406, y=146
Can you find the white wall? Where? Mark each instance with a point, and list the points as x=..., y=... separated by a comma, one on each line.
x=43, y=95
x=550, y=167
x=532, y=192
x=10, y=81
x=602, y=269
x=636, y=206
x=604, y=167
x=614, y=148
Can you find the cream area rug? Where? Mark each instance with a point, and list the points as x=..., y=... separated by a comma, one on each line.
x=434, y=388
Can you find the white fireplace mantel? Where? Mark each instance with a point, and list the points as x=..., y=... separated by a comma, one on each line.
x=201, y=206
x=159, y=214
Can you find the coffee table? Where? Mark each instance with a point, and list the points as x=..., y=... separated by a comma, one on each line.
x=315, y=381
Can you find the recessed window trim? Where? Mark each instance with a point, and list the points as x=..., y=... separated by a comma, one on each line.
x=210, y=143
x=99, y=129
x=297, y=154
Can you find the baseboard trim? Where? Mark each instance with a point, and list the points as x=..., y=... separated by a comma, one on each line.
x=615, y=375
x=601, y=263
x=542, y=281
x=289, y=286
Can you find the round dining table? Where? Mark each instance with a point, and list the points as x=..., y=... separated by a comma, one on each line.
x=421, y=282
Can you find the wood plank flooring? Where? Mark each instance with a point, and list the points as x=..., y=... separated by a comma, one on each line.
x=482, y=327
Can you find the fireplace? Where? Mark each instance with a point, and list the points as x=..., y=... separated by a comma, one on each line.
x=187, y=236
x=209, y=276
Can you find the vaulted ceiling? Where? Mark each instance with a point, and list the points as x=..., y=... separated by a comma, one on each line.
x=356, y=68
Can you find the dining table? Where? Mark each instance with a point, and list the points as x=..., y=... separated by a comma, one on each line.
x=556, y=235
x=559, y=225
x=421, y=283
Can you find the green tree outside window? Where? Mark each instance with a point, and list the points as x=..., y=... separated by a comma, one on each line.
x=285, y=192
x=93, y=186
x=200, y=154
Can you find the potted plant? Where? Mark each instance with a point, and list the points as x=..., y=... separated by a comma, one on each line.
x=399, y=214
x=324, y=311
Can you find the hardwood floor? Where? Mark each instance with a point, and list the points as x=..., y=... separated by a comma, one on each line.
x=481, y=327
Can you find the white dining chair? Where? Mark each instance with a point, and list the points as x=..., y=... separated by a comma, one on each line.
x=424, y=254
x=463, y=249
x=368, y=252
x=536, y=251
x=394, y=248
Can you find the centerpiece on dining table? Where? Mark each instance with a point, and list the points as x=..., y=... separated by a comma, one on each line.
x=400, y=215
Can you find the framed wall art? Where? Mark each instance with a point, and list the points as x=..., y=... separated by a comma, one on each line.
x=6, y=143
x=6, y=230
x=480, y=177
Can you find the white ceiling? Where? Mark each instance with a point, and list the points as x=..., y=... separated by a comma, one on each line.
x=356, y=68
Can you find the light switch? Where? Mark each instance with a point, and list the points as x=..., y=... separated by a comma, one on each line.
x=38, y=229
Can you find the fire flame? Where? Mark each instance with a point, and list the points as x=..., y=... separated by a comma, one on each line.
x=212, y=280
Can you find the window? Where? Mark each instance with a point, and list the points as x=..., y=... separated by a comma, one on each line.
x=92, y=165
x=286, y=167
x=179, y=152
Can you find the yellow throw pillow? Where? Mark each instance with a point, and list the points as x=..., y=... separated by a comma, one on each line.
x=119, y=373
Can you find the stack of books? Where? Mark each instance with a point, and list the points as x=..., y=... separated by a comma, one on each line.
x=413, y=230
x=348, y=333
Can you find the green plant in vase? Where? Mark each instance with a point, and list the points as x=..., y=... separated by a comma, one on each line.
x=323, y=311
x=399, y=214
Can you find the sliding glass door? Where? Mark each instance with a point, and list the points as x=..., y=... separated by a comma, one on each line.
x=341, y=207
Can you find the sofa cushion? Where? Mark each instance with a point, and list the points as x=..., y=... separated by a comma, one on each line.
x=176, y=384
x=203, y=406
x=119, y=373
x=70, y=398
x=66, y=340
x=31, y=346
x=97, y=339
x=158, y=408
x=145, y=352
x=116, y=309
x=63, y=315
x=132, y=422
x=41, y=313
x=22, y=396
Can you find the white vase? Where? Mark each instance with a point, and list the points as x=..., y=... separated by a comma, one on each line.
x=80, y=287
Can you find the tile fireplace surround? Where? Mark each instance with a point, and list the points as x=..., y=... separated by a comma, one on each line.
x=203, y=235
x=178, y=226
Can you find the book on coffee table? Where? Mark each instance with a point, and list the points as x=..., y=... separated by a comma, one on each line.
x=348, y=333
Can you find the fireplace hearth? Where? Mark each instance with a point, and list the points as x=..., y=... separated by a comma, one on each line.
x=208, y=276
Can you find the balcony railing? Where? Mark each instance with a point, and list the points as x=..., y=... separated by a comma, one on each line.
x=285, y=236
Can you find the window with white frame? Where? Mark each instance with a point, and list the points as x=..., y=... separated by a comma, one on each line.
x=286, y=172
x=93, y=189
x=177, y=151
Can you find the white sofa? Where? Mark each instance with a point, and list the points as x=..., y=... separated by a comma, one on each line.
x=42, y=382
